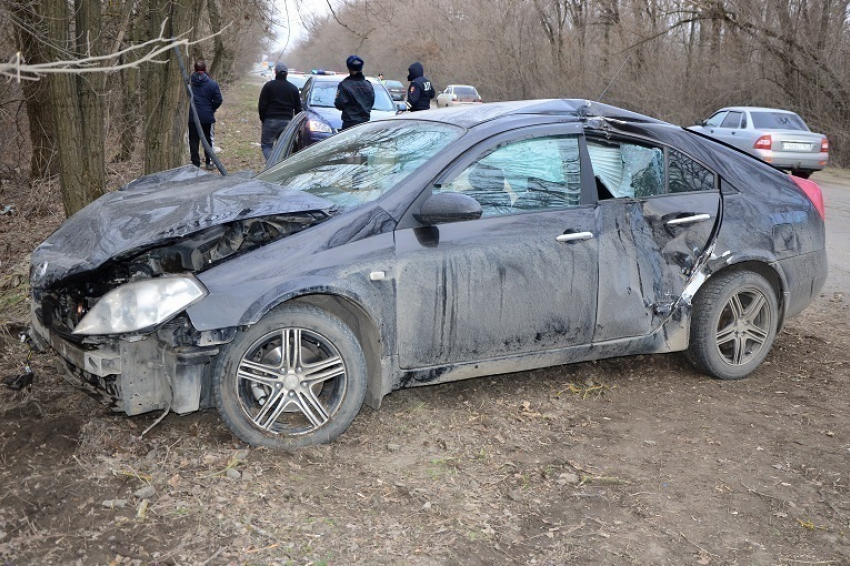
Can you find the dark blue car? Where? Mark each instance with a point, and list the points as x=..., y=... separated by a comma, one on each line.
x=320, y=119
x=421, y=249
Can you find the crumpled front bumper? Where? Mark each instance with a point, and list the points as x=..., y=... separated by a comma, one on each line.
x=134, y=374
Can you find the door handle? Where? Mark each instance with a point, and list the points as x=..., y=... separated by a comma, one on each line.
x=689, y=219
x=574, y=237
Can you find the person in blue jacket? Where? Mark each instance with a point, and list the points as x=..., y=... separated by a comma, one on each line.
x=421, y=92
x=207, y=97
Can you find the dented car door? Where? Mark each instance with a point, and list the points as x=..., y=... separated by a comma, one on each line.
x=658, y=209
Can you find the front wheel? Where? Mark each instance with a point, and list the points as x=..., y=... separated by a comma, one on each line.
x=296, y=378
x=733, y=325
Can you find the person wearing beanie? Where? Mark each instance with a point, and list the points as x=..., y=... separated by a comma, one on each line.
x=279, y=103
x=354, y=95
x=207, y=98
x=420, y=92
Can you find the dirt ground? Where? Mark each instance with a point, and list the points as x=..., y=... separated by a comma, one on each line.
x=634, y=460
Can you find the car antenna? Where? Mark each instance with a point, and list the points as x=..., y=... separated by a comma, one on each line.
x=194, y=111
x=617, y=74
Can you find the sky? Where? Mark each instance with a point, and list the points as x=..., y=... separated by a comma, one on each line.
x=293, y=8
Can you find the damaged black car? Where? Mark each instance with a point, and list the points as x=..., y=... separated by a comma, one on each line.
x=424, y=249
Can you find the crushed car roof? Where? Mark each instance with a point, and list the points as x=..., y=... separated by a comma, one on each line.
x=468, y=117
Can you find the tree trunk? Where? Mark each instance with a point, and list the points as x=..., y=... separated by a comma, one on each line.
x=129, y=115
x=43, y=161
x=78, y=111
x=165, y=103
x=222, y=63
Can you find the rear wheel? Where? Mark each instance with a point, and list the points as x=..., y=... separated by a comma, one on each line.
x=733, y=324
x=296, y=378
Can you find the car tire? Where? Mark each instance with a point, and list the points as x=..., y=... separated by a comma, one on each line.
x=268, y=397
x=733, y=324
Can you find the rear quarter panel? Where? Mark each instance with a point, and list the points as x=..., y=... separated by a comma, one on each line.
x=766, y=218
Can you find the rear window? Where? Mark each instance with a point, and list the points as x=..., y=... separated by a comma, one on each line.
x=778, y=121
x=465, y=90
x=393, y=84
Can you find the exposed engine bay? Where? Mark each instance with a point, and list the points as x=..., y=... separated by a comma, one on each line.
x=65, y=305
x=137, y=373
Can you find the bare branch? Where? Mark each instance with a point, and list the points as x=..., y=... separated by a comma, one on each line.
x=18, y=70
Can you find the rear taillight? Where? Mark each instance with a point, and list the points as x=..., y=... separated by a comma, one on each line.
x=764, y=142
x=812, y=191
x=824, y=145
x=454, y=97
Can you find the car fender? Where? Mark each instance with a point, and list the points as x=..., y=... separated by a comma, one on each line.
x=358, y=311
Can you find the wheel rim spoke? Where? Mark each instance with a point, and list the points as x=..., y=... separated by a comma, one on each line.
x=738, y=350
x=323, y=371
x=312, y=407
x=291, y=348
x=253, y=371
x=756, y=334
x=755, y=307
x=726, y=334
x=736, y=307
x=271, y=410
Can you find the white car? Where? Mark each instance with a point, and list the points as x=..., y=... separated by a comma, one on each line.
x=456, y=95
x=779, y=137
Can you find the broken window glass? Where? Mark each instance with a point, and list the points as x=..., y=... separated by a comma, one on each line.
x=532, y=174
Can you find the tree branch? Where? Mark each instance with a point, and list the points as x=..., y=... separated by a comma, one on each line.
x=19, y=70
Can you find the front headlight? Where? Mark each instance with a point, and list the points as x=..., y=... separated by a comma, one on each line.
x=141, y=305
x=319, y=126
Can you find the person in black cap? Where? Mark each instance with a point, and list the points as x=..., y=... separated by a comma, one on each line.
x=279, y=102
x=421, y=92
x=354, y=95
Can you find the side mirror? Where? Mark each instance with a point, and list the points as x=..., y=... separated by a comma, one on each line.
x=699, y=123
x=400, y=107
x=442, y=208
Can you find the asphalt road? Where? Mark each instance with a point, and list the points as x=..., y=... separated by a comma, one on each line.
x=836, y=194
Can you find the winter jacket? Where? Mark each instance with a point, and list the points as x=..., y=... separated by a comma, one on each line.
x=355, y=97
x=279, y=99
x=420, y=92
x=207, y=97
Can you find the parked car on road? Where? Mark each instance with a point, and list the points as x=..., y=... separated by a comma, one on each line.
x=298, y=79
x=396, y=89
x=456, y=95
x=422, y=249
x=320, y=119
x=779, y=137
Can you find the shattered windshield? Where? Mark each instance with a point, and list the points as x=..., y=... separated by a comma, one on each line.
x=361, y=164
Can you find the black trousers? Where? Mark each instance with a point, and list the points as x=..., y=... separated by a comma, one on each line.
x=195, y=142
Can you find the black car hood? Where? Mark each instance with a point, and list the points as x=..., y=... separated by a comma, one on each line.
x=157, y=209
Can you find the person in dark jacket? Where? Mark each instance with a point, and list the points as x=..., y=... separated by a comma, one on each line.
x=279, y=103
x=421, y=92
x=354, y=95
x=207, y=97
